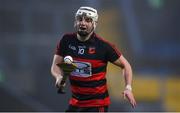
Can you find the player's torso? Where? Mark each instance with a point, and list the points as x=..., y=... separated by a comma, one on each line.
x=89, y=56
x=88, y=82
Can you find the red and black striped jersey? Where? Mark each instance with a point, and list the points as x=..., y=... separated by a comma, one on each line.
x=88, y=81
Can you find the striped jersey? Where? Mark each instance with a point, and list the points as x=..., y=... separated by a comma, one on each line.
x=88, y=81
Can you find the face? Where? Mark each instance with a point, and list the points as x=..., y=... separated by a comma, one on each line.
x=84, y=25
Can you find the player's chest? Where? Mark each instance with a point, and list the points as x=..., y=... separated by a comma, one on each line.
x=85, y=50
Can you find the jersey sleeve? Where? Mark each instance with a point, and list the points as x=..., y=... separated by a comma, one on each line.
x=112, y=53
x=60, y=48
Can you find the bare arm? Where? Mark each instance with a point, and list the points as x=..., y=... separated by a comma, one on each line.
x=55, y=70
x=127, y=73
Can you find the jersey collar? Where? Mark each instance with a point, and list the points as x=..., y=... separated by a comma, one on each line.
x=90, y=40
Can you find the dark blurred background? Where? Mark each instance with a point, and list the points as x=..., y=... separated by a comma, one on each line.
x=147, y=32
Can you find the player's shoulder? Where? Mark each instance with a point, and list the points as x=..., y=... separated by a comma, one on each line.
x=68, y=35
x=103, y=40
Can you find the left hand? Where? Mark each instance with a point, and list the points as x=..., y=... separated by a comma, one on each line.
x=129, y=95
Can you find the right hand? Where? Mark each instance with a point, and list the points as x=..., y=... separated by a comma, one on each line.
x=58, y=82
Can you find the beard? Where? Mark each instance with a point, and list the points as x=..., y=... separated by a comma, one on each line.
x=83, y=33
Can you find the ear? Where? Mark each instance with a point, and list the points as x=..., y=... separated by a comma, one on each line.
x=75, y=24
x=95, y=24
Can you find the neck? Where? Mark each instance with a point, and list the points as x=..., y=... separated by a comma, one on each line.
x=84, y=38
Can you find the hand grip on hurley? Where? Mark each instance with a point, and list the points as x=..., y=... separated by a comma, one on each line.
x=67, y=66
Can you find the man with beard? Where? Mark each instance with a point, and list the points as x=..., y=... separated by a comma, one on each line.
x=91, y=53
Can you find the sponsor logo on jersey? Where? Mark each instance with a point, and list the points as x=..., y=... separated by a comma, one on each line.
x=84, y=69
